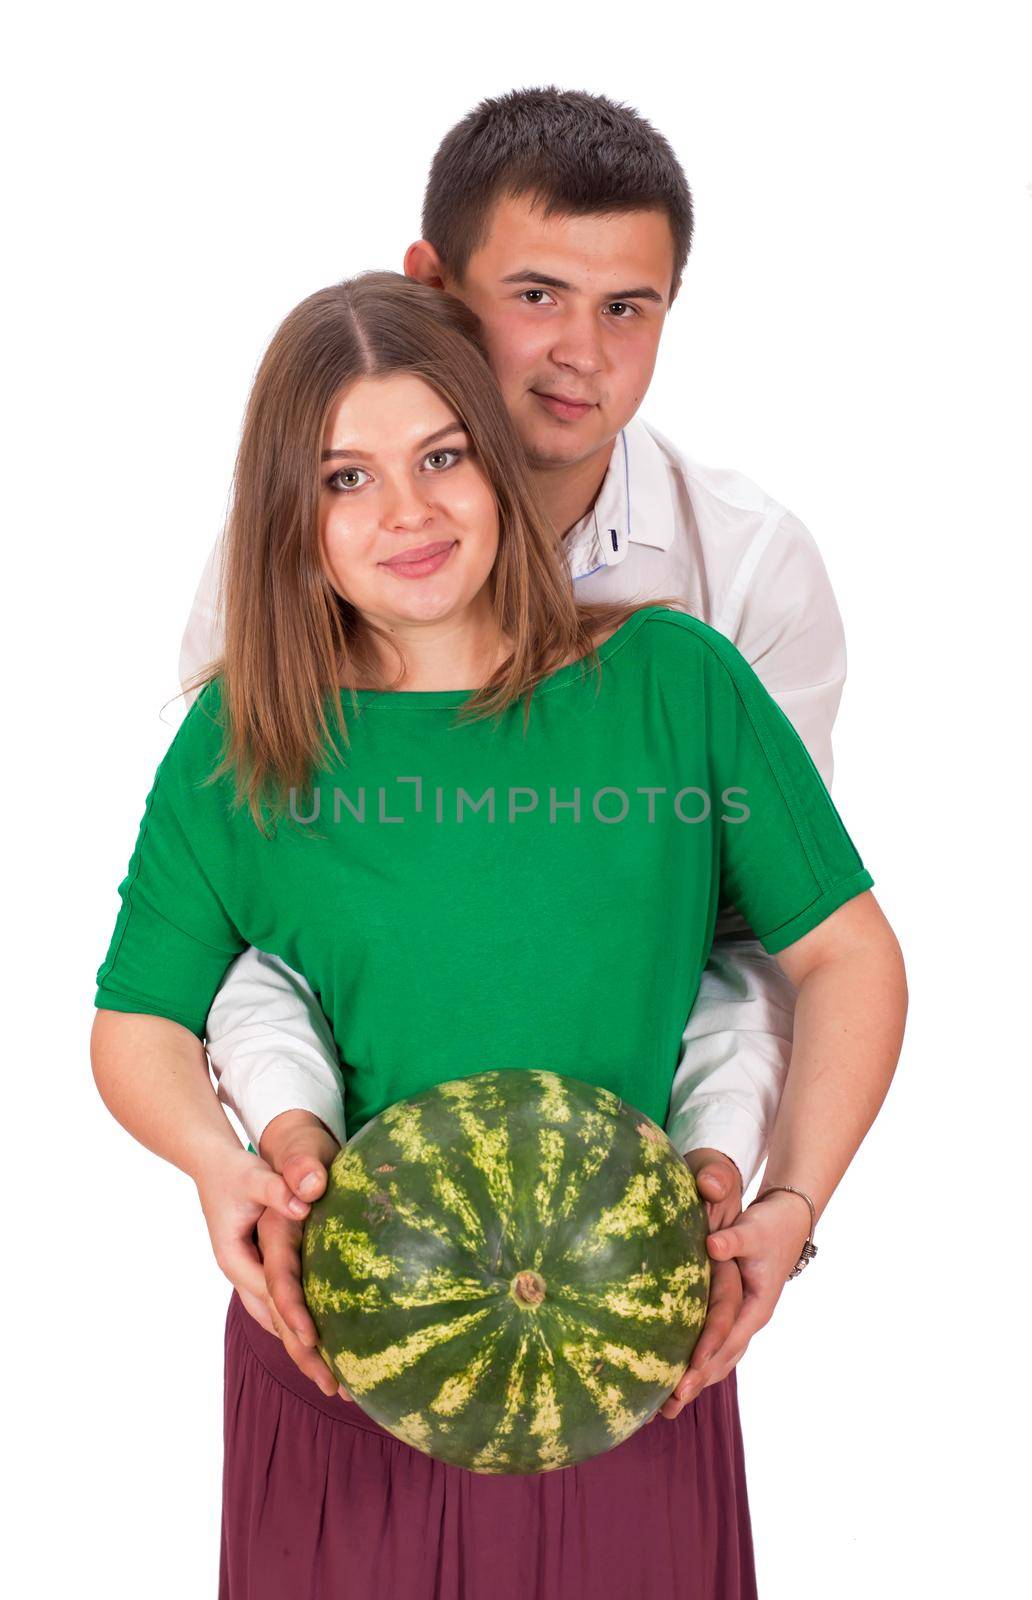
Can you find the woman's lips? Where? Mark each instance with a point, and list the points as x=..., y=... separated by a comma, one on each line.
x=418, y=563
x=568, y=410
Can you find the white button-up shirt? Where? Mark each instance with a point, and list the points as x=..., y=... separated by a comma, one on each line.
x=662, y=525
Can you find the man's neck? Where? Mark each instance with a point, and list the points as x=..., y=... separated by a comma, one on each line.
x=569, y=492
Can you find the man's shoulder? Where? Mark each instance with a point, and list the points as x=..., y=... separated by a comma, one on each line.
x=753, y=550
x=725, y=486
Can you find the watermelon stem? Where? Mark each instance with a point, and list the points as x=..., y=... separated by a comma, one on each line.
x=528, y=1288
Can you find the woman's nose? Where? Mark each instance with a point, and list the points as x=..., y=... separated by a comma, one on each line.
x=407, y=508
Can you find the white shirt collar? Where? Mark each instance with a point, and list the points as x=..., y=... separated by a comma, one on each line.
x=634, y=505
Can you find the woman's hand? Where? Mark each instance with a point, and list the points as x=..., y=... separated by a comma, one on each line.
x=235, y=1189
x=719, y=1183
x=280, y=1241
x=725, y=1299
x=302, y=1149
x=851, y=1004
x=763, y=1246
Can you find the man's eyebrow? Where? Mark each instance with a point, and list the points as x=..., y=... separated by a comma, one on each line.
x=431, y=438
x=543, y=280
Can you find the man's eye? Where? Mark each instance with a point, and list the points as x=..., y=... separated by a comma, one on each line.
x=346, y=479
x=439, y=460
x=542, y=296
x=621, y=310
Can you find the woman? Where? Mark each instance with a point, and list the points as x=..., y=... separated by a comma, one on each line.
x=403, y=778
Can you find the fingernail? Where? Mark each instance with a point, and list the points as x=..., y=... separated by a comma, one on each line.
x=309, y=1182
x=298, y=1207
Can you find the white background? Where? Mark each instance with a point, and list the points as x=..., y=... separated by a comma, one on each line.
x=853, y=334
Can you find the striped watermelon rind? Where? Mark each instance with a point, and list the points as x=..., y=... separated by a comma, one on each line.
x=508, y=1271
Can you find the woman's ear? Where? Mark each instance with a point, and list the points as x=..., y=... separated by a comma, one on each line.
x=424, y=264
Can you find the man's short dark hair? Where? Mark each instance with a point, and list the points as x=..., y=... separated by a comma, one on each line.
x=576, y=153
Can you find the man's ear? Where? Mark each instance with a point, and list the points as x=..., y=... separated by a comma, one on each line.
x=424, y=264
x=675, y=291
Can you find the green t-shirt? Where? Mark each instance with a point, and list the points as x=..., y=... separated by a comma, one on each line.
x=476, y=896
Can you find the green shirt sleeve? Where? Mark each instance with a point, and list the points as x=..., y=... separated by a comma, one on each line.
x=173, y=940
x=786, y=859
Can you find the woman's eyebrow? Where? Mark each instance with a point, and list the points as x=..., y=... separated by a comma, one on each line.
x=455, y=426
x=431, y=438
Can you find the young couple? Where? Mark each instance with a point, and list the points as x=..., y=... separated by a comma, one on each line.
x=457, y=565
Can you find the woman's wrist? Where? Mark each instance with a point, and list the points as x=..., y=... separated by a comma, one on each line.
x=152, y=1074
x=790, y=1195
x=797, y=1175
x=791, y=1198
x=210, y=1149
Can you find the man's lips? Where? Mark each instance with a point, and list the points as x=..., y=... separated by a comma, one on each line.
x=421, y=559
x=568, y=407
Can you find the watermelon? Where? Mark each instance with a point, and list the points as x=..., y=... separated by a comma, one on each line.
x=508, y=1271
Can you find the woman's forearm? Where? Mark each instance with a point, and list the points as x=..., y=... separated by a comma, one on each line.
x=152, y=1075
x=849, y=1019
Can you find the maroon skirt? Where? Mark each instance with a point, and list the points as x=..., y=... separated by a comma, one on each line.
x=321, y=1503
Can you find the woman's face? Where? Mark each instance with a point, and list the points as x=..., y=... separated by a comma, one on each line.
x=408, y=523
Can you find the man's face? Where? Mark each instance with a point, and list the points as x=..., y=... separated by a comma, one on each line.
x=572, y=309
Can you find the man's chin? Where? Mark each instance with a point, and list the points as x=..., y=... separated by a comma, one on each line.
x=550, y=453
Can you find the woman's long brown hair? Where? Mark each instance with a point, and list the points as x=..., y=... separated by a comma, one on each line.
x=291, y=642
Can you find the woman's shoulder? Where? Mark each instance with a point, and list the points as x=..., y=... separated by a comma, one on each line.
x=686, y=657
x=204, y=715
x=677, y=635
x=196, y=744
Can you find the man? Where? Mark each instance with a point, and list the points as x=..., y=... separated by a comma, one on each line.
x=564, y=221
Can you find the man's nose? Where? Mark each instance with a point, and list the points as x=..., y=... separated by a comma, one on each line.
x=579, y=344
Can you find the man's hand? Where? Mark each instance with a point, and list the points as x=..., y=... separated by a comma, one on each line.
x=302, y=1149
x=764, y=1245
x=719, y=1183
x=299, y=1146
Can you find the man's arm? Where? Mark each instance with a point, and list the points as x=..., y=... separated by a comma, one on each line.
x=782, y=615
x=786, y=623
x=268, y=1041
x=735, y=1051
x=271, y=1048
x=202, y=639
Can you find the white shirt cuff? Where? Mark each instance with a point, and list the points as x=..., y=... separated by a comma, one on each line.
x=274, y=1083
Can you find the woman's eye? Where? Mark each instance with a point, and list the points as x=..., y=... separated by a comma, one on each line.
x=438, y=460
x=347, y=478
x=529, y=295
